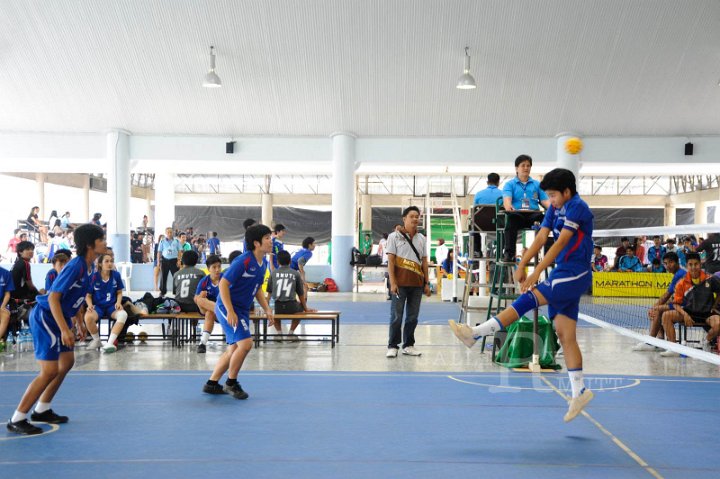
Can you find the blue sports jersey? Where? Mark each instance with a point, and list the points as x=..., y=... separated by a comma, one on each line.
x=517, y=191
x=488, y=196
x=303, y=256
x=6, y=282
x=73, y=283
x=213, y=245
x=679, y=275
x=104, y=293
x=575, y=215
x=50, y=278
x=206, y=284
x=245, y=276
x=277, y=246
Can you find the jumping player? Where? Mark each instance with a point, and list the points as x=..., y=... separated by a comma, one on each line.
x=570, y=220
x=50, y=322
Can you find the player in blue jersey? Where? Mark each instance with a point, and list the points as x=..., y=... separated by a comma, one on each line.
x=104, y=300
x=302, y=256
x=240, y=284
x=571, y=221
x=277, y=246
x=60, y=259
x=213, y=244
x=206, y=296
x=50, y=322
x=6, y=285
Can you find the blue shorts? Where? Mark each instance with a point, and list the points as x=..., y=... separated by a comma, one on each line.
x=563, y=290
x=46, y=335
x=239, y=332
x=104, y=311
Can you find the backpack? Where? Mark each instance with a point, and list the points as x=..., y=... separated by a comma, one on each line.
x=330, y=285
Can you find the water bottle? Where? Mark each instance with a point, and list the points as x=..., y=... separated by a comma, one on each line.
x=198, y=332
x=9, y=342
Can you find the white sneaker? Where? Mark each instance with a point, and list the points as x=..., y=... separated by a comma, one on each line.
x=411, y=351
x=94, y=344
x=577, y=404
x=644, y=347
x=560, y=353
x=463, y=332
x=392, y=353
x=669, y=354
x=109, y=349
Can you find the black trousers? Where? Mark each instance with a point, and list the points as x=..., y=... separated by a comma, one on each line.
x=167, y=266
x=515, y=223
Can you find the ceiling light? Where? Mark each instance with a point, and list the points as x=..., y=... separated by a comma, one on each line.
x=211, y=79
x=466, y=81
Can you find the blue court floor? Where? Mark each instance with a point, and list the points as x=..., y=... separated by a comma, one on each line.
x=415, y=425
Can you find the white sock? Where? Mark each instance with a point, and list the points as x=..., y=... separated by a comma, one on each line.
x=95, y=335
x=41, y=407
x=111, y=339
x=487, y=328
x=205, y=337
x=18, y=416
x=576, y=381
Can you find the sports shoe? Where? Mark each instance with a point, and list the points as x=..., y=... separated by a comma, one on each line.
x=109, y=349
x=411, y=351
x=645, y=347
x=463, y=332
x=201, y=349
x=23, y=427
x=391, y=353
x=235, y=391
x=577, y=404
x=94, y=344
x=49, y=417
x=292, y=337
x=670, y=354
x=213, y=389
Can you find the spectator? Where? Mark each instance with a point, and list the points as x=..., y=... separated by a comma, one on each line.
x=25, y=290
x=672, y=248
x=277, y=245
x=12, y=244
x=57, y=227
x=206, y=295
x=213, y=243
x=656, y=266
x=34, y=224
x=382, y=248
x=65, y=220
x=489, y=195
x=144, y=223
x=641, y=252
x=599, y=260
x=620, y=252
x=711, y=248
x=285, y=285
x=52, y=218
x=366, y=245
x=104, y=300
x=136, y=247
x=688, y=246
x=630, y=263
x=167, y=258
x=441, y=252
x=6, y=286
x=156, y=261
x=657, y=250
x=96, y=219
x=246, y=225
x=448, y=264
x=200, y=246
x=147, y=246
x=186, y=282
x=300, y=258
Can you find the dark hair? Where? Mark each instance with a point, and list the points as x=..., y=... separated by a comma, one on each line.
x=60, y=257
x=182, y=233
x=85, y=237
x=283, y=258
x=57, y=223
x=598, y=247
x=255, y=233
x=64, y=251
x=97, y=216
x=671, y=256
x=100, y=259
x=670, y=240
x=656, y=261
x=212, y=259
x=407, y=210
x=385, y=236
x=189, y=258
x=307, y=242
x=689, y=256
x=23, y=234
x=23, y=245
x=624, y=238
x=630, y=247
x=522, y=158
x=655, y=237
x=559, y=179
x=493, y=179
x=234, y=255
x=248, y=223
x=278, y=228
x=441, y=239
x=214, y=234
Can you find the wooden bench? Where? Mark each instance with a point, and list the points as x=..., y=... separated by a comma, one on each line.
x=332, y=316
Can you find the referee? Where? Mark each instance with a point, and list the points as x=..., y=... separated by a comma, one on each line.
x=167, y=257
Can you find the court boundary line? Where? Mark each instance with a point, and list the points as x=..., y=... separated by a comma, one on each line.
x=53, y=428
x=633, y=383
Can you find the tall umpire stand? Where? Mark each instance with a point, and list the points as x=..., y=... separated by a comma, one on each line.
x=481, y=221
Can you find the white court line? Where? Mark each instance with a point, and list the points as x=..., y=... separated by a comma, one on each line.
x=53, y=428
x=635, y=382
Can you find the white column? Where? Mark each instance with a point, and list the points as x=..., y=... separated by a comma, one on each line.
x=149, y=209
x=700, y=212
x=118, y=190
x=670, y=215
x=40, y=180
x=343, y=208
x=567, y=160
x=267, y=210
x=366, y=212
x=164, y=202
x=85, y=213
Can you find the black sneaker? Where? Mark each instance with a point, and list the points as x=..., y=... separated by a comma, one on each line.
x=213, y=389
x=235, y=391
x=23, y=427
x=508, y=258
x=201, y=348
x=49, y=417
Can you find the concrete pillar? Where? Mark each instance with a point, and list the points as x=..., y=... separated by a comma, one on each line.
x=343, y=208
x=267, y=210
x=40, y=180
x=164, y=202
x=670, y=215
x=567, y=160
x=118, y=190
x=85, y=213
x=700, y=212
x=149, y=208
x=366, y=212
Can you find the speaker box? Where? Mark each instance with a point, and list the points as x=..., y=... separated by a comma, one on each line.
x=688, y=149
x=230, y=147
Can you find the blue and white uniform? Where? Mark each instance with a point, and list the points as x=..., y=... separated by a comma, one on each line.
x=277, y=246
x=6, y=283
x=104, y=293
x=206, y=284
x=73, y=283
x=300, y=258
x=246, y=277
x=213, y=245
x=573, y=274
x=50, y=278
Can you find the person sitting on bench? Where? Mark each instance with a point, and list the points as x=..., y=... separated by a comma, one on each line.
x=206, y=296
x=104, y=300
x=185, y=282
x=284, y=285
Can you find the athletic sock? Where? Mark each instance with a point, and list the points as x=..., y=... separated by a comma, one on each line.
x=41, y=407
x=18, y=416
x=231, y=382
x=111, y=340
x=576, y=381
x=95, y=335
x=205, y=337
x=487, y=328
